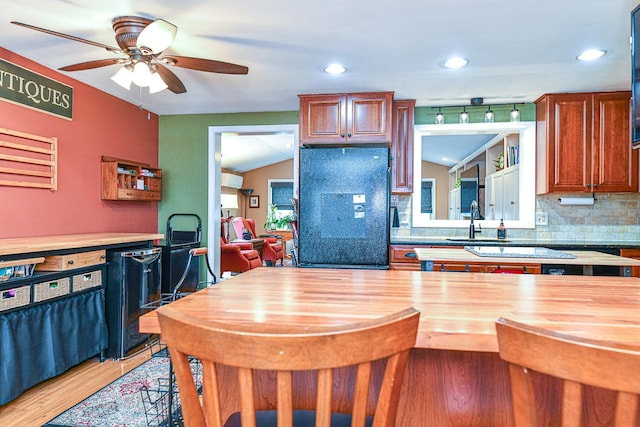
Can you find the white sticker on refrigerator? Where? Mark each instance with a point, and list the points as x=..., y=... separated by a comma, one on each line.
x=359, y=198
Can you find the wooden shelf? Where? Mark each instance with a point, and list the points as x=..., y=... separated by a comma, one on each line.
x=129, y=180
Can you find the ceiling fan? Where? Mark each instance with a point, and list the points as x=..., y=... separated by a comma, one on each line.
x=143, y=41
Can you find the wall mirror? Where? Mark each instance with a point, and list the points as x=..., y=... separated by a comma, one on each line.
x=492, y=163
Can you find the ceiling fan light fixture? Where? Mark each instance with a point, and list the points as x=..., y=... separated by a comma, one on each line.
x=141, y=74
x=123, y=77
x=156, y=37
x=156, y=84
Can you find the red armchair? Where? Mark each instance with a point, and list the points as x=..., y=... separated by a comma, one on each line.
x=238, y=257
x=272, y=251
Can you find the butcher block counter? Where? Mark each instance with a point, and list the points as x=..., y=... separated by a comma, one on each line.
x=23, y=245
x=455, y=376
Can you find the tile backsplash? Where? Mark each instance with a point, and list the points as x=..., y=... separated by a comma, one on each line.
x=613, y=216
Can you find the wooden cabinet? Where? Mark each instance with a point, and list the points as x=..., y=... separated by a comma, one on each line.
x=339, y=119
x=127, y=180
x=403, y=257
x=402, y=147
x=635, y=254
x=584, y=143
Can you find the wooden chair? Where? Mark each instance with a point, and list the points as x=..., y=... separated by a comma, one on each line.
x=286, y=349
x=577, y=362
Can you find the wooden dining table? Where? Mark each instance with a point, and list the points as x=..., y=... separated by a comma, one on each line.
x=455, y=376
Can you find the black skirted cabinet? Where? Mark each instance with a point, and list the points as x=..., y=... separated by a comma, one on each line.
x=59, y=324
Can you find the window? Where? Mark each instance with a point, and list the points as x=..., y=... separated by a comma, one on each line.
x=280, y=194
x=427, y=196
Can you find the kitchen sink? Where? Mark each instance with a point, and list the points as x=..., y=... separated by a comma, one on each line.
x=477, y=240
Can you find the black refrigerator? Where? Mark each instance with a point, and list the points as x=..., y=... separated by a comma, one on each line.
x=343, y=215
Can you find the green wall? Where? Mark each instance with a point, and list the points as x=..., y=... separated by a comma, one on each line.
x=183, y=141
x=183, y=158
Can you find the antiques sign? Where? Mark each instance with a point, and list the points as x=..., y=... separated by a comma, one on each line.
x=21, y=86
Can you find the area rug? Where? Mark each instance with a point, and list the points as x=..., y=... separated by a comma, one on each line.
x=137, y=399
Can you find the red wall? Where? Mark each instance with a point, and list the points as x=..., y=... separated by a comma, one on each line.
x=102, y=125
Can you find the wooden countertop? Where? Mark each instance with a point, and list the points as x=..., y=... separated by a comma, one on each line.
x=458, y=310
x=25, y=245
x=582, y=258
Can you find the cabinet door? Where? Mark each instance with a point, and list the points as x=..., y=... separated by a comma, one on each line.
x=498, y=195
x=454, y=204
x=510, y=193
x=402, y=147
x=615, y=164
x=323, y=119
x=369, y=117
x=568, y=142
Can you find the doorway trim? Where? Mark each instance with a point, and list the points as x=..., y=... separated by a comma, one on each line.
x=215, y=171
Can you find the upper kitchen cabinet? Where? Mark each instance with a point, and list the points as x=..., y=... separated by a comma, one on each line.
x=402, y=147
x=584, y=143
x=346, y=119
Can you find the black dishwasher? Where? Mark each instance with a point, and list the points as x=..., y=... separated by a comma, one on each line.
x=134, y=278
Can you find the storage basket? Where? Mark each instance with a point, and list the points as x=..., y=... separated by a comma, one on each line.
x=51, y=289
x=81, y=282
x=14, y=298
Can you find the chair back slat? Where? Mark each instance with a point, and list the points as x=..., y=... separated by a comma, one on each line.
x=284, y=350
x=247, y=404
x=285, y=398
x=323, y=398
x=577, y=362
x=626, y=413
x=361, y=393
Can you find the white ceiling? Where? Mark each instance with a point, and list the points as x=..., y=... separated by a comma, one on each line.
x=518, y=50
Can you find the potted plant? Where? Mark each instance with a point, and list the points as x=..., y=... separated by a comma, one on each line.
x=275, y=221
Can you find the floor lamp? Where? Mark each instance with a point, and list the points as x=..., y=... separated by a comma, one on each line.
x=228, y=202
x=246, y=192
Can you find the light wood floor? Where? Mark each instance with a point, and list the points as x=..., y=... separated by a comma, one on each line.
x=46, y=400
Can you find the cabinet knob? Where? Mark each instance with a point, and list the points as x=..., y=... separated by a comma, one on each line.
x=349, y=135
x=596, y=185
x=70, y=262
x=410, y=255
x=342, y=135
x=588, y=185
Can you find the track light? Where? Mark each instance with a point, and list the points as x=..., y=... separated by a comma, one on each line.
x=464, y=116
x=489, y=116
x=439, y=117
x=514, y=115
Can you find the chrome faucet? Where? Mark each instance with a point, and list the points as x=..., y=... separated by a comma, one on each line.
x=472, y=227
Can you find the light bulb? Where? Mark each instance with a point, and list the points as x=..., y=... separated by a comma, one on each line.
x=123, y=77
x=156, y=84
x=489, y=116
x=464, y=117
x=439, y=118
x=141, y=74
x=514, y=116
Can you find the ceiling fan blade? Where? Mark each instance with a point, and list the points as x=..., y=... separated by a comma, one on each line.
x=67, y=36
x=209, y=65
x=92, y=64
x=170, y=79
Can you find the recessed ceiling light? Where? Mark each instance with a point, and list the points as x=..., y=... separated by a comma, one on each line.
x=591, y=54
x=455, y=62
x=334, y=69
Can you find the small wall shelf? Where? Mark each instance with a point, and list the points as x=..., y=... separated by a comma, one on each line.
x=128, y=180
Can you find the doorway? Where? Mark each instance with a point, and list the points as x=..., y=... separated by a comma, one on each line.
x=216, y=134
